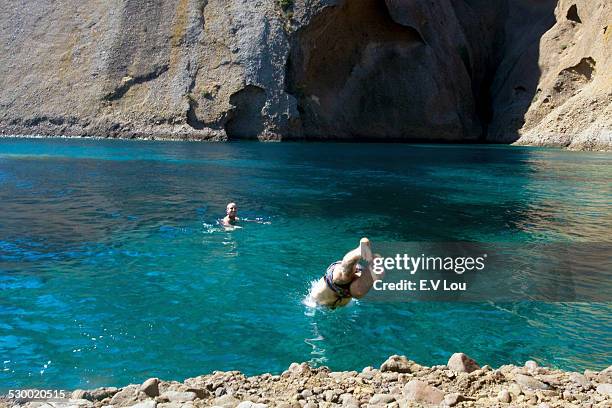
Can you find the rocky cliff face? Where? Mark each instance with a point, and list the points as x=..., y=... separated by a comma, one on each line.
x=571, y=104
x=450, y=70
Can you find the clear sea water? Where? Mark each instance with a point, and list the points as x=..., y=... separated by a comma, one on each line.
x=113, y=269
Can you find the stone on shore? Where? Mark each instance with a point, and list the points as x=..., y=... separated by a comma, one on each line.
x=80, y=394
x=348, y=400
x=250, y=404
x=150, y=387
x=399, y=364
x=605, y=376
x=74, y=403
x=95, y=395
x=420, y=391
x=605, y=389
x=580, y=380
x=145, y=404
x=226, y=401
x=462, y=363
x=515, y=389
x=126, y=397
x=504, y=396
x=177, y=396
x=527, y=381
x=450, y=400
x=105, y=392
x=382, y=399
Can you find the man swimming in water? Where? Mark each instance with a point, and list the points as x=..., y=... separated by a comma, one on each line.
x=230, y=221
x=231, y=217
x=352, y=277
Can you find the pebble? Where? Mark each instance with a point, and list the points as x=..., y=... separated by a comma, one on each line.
x=330, y=396
x=606, y=375
x=504, y=396
x=605, y=389
x=145, y=404
x=306, y=394
x=250, y=404
x=398, y=364
x=101, y=393
x=177, y=396
x=580, y=380
x=590, y=374
x=381, y=399
x=367, y=375
x=515, y=389
x=126, y=396
x=453, y=399
x=530, y=382
x=461, y=363
x=150, y=387
x=420, y=391
x=80, y=403
x=80, y=394
x=226, y=401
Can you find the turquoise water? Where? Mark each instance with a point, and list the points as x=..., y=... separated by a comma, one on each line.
x=113, y=269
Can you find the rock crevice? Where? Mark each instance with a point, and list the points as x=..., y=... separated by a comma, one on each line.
x=129, y=81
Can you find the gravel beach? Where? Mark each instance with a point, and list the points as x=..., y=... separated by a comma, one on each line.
x=397, y=383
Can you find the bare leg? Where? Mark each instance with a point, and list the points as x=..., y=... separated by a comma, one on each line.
x=363, y=283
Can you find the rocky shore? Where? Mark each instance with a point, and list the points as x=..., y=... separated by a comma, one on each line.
x=397, y=383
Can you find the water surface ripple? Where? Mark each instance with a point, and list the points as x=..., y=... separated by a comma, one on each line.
x=113, y=269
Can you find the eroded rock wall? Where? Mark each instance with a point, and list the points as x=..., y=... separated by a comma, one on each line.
x=449, y=70
x=159, y=68
x=572, y=104
x=372, y=69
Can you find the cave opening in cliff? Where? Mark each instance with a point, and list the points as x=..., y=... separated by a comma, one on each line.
x=352, y=70
x=245, y=120
x=572, y=14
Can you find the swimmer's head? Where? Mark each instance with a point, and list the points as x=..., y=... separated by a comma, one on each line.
x=231, y=210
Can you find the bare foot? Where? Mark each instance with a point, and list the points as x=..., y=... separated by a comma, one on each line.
x=366, y=250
